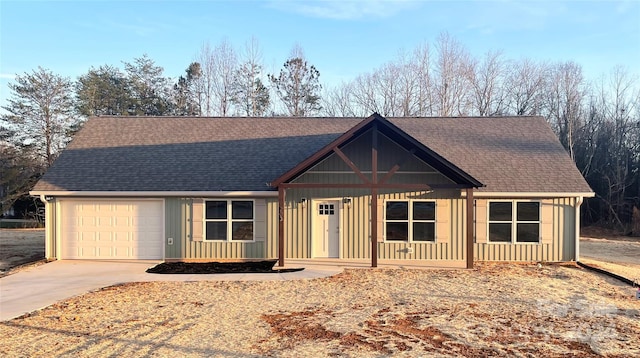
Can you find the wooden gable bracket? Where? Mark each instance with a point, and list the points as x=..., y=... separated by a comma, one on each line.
x=351, y=165
x=397, y=166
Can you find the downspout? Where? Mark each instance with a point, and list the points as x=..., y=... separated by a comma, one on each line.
x=579, y=201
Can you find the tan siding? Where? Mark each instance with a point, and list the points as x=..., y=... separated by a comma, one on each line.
x=443, y=226
x=197, y=217
x=481, y=221
x=546, y=221
x=179, y=216
x=272, y=219
x=556, y=230
x=260, y=224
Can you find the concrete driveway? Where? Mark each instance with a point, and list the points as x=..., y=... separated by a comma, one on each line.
x=41, y=286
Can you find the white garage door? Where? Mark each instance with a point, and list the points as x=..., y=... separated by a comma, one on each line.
x=112, y=229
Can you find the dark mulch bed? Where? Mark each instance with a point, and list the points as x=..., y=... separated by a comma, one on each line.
x=265, y=266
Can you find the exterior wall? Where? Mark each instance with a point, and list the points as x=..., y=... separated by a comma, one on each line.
x=50, y=230
x=179, y=219
x=355, y=229
x=558, y=235
x=557, y=227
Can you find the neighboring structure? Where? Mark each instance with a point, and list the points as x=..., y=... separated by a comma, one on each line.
x=190, y=189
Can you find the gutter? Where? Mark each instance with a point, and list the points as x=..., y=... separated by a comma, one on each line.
x=512, y=195
x=155, y=194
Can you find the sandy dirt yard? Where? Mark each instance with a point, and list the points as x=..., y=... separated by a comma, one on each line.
x=495, y=310
x=20, y=246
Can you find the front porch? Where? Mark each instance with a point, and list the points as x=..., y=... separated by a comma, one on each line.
x=333, y=263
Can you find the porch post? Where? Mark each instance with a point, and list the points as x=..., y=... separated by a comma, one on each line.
x=281, y=194
x=470, y=215
x=374, y=227
x=374, y=196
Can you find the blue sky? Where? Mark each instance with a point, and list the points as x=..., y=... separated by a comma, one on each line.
x=341, y=38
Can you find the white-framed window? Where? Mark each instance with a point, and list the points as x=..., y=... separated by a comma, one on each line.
x=229, y=220
x=514, y=222
x=410, y=221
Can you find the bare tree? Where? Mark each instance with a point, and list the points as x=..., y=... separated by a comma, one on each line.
x=249, y=94
x=422, y=70
x=487, y=85
x=225, y=64
x=338, y=102
x=451, y=83
x=524, y=85
x=563, y=102
x=204, y=84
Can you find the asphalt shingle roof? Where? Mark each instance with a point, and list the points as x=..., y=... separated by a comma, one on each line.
x=507, y=154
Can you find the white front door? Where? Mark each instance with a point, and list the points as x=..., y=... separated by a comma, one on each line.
x=326, y=229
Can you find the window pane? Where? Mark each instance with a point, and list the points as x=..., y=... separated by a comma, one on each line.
x=216, y=209
x=528, y=233
x=499, y=211
x=397, y=210
x=216, y=230
x=242, y=209
x=500, y=232
x=528, y=211
x=397, y=231
x=424, y=232
x=242, y=231
x=424, y=210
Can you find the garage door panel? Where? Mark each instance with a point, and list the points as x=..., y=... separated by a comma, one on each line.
x=112, y=229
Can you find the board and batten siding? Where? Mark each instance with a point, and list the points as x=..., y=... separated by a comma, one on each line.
x=355, y=225
x=557, y=230
x=183, y=218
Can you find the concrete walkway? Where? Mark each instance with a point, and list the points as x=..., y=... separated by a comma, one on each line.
x=41, y=286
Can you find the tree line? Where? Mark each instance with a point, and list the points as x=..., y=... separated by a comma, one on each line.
x=596, y=120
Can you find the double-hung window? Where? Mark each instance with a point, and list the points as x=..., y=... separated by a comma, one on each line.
x=514, y=222
x=410, y=221
x=229, y=220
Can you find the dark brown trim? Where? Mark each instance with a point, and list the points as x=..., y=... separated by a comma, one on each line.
x=351, y=165
x=281, y=196
x=470, y=215
x=374, y=228
x=374, y=196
